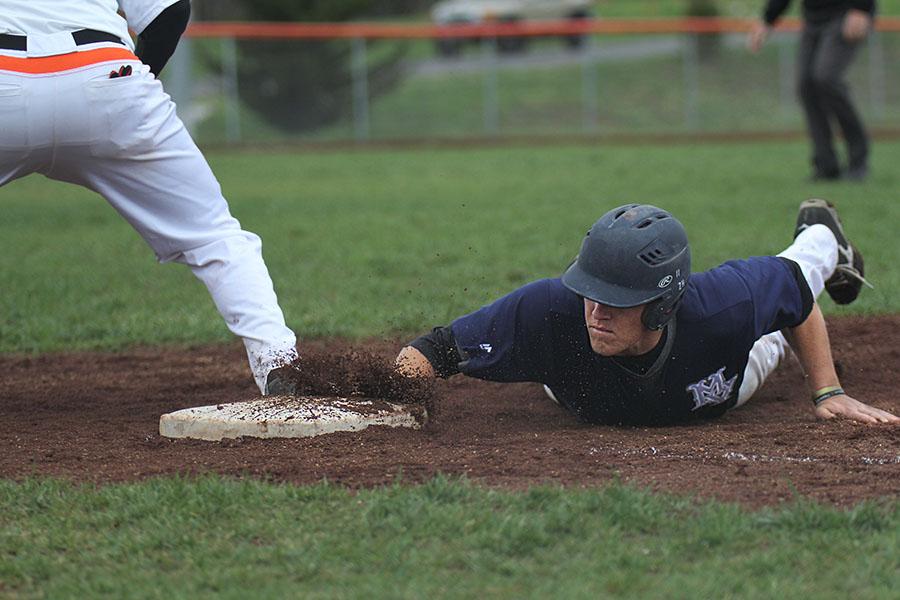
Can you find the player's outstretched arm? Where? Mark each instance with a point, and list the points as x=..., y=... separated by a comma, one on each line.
x=810, y=343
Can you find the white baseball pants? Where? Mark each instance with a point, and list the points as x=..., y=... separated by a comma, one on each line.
x=121, y=138
x=815, y=250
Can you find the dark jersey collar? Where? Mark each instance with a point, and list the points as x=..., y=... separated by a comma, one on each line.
x=650, y=364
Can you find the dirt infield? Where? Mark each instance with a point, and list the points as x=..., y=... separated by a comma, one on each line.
x=94, y=417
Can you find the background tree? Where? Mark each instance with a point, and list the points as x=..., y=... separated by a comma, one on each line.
x=299, y=85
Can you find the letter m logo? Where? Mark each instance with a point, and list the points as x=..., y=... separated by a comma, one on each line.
x=714, y=389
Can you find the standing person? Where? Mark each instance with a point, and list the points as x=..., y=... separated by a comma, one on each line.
x=80, y=103
x=832, y=32
x=629, y=335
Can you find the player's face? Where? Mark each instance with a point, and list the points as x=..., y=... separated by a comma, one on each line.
x=618, y=331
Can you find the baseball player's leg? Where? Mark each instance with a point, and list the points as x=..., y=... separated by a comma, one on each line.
x=550, y=394
x=14, y=142
x=13, y=165
x=815, y=250
x=828, y=73
x=765, y=356
x=824, y=157
x=154, y=175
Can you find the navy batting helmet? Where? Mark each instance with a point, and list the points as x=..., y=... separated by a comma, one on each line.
x=635, y=254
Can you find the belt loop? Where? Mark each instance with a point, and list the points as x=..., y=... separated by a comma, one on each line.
x=50, y=44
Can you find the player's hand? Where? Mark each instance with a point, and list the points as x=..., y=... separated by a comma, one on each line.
x=412, y=363
x=856, y=25
x=849, y=408
x=758, y=36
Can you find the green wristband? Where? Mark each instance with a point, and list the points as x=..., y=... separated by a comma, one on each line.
x=829, y=393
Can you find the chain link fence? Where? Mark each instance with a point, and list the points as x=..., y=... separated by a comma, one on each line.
x=244, y=89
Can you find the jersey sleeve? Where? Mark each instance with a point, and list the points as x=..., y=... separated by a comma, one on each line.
x=774, y=9
x=507, y=340
x=864, y=5
x=140, y=13
x=773, y=288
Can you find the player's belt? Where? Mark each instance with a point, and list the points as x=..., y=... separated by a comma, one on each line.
x=9, y=41
x=64, y=62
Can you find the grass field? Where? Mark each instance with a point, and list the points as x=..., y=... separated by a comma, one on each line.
x=371, y=243
x=368, y=243
x=180, y=539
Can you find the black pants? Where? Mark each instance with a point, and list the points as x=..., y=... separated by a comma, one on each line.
x=824, y=57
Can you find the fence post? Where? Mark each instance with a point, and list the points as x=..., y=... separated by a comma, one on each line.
x=785, y=74
x=877, y=75
x=178, y=81
x=491, y=96
x=230, y=90
x=360, y=90
x=691, y=75
x=589, y=84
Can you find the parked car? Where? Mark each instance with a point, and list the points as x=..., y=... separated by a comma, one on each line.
x=448, y=12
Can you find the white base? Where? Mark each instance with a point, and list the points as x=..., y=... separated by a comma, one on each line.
x=287, y=417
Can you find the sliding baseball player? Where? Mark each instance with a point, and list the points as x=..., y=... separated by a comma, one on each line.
x=629, y=335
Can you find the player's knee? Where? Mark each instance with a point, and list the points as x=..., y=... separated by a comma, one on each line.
x=824, y=82
x=224, y=247
x=806, y=88
x=818, y=234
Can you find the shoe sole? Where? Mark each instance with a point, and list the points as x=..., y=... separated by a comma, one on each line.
x=814, y=208
x=844, y=288
x=846, y=283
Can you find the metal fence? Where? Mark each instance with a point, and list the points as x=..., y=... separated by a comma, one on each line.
x=238, y=83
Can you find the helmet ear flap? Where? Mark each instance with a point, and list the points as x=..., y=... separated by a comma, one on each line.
x=660, y=311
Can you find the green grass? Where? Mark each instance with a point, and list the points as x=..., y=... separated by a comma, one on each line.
x=449, y=539
x=370, y=243
x=382, y=243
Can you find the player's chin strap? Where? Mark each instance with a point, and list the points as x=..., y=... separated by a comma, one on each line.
x=669, y=333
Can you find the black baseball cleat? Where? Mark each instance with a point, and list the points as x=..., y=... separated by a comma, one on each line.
x=848, y=278
x=281, y=382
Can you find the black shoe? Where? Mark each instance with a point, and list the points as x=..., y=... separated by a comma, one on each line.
x=281, y=382
x=857, y=174
x=848, y=278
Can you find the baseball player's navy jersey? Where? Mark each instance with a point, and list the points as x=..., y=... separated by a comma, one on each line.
x=538, y=333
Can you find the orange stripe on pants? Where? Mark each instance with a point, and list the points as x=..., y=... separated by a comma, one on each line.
x=64, y=62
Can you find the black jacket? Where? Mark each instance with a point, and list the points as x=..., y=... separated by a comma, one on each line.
x=157, y=42
x=817, y=11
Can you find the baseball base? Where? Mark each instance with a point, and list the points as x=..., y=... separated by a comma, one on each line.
x=287, y=417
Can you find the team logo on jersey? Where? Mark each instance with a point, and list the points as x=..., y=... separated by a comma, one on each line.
x=714, y=389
